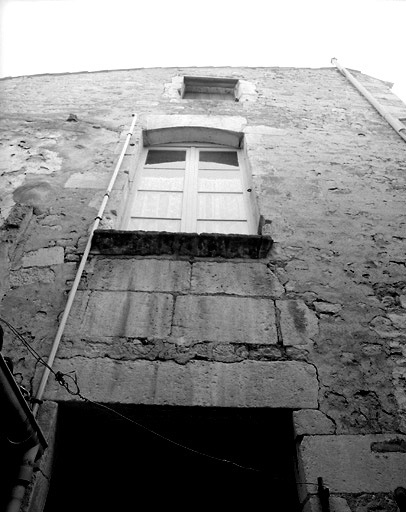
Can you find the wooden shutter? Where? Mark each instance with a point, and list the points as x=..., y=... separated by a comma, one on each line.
x=193, y=189
x=220, y=193
x=158, y=203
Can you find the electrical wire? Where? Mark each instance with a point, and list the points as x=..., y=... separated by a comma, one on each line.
x=74, y=390
x=33, y=352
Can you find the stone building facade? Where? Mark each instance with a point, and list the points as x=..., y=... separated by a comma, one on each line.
x=289, y=340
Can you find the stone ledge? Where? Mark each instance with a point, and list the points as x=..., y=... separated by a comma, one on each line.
x=180, y=244
x=278, y=384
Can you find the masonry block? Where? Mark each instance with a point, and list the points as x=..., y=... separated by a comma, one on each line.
x=249, y=279
x=44, y=257
x=298, y=323
x=31, y=275
x=131, y=314
x=278, y=384
x=312, y=422
x=139, y=275
x=228, y=319
x=355, y=463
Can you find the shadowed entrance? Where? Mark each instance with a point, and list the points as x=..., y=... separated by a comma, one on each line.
x=104, y=462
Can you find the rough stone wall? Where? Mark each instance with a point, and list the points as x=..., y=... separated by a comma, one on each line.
x=317, y=327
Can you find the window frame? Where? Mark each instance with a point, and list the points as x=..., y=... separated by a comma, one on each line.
x=189, y=217
x=208, y=88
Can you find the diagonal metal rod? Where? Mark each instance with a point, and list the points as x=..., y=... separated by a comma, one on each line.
x=79, y=272
x=397, y=125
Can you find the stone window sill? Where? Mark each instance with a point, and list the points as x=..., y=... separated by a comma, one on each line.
x=143, y=243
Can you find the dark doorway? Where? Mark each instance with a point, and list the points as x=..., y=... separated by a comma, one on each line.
x=106, y=463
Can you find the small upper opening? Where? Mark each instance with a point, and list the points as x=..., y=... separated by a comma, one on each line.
x=209, y=88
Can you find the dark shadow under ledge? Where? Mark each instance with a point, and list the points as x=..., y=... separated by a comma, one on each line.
x=143, y=243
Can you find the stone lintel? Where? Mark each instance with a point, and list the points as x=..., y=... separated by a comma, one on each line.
x=224, y=123
x=276, y=384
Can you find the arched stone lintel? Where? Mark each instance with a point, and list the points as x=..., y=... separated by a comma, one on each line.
x=190, y=134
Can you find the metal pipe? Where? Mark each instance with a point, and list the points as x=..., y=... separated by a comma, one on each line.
x=397, y=125
x=18, y=422
x=23, y=479
x=75, y=285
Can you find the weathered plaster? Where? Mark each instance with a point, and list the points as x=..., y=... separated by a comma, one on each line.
x=316, y=325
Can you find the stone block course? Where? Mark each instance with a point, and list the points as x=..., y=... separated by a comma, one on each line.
x=246, y=279
x=132, y=314
x=227, y=319
x=246, y=384
x=139, y=275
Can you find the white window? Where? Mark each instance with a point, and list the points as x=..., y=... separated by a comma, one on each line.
x=194, y=189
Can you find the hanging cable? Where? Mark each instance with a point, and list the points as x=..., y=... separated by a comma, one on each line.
x=69, y=381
